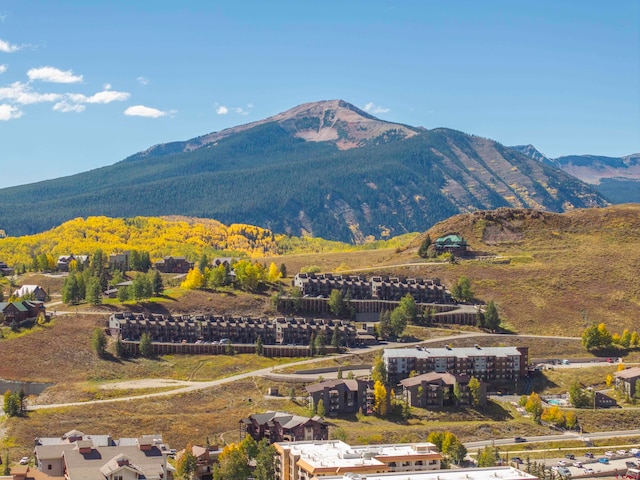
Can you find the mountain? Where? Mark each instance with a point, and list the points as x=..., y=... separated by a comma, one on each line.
x=616, y=178
x=324, y=169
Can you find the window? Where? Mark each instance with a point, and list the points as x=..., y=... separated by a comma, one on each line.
x=49, y=467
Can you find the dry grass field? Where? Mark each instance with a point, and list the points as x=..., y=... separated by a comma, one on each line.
x=563, y=272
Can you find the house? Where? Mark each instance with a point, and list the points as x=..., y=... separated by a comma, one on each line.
x=173, y=265
x=306, y=460
x=439, y=389
x=342, y=396
x=626, y=380
x=451, y=243
x=6, y=270
x=205, y=458
x=20, y=310
x=34, y=292
x=119, y=261
x=604, y=401
x=76, y=455
x=65, y=260
x=500, y=367
x=283, y=427
x=226, y=261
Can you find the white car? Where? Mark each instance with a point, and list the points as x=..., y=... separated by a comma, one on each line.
x=588, y=470
x=621, y=452
x=577, y=464
x=608, y=453
x=562, y=463
x=24, y=460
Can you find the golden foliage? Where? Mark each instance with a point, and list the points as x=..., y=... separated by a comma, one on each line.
x=160, y=236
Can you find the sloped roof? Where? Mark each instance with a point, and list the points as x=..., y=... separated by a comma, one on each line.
x=350, y=384
x=628, y=373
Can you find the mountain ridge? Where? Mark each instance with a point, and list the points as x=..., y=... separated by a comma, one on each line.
x=324, y=169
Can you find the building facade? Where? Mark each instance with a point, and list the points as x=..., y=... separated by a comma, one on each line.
x=283, y=427
x=499, y=367
x=434, y=390
x=342, y=396
x=307, y=460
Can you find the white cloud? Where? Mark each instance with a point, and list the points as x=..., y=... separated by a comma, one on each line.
x=23, y=94
x=54, y=75
x=8, y=47
x=222, y=110
x=108, y=96
x=107, y=86
x=9, y=112
x=66, y=107
x=373, y=108
x=241, y=111
x=142, y=111
x=3, y=68
x=143, y=80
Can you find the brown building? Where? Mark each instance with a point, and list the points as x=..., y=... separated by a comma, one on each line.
x=500, y=367
x=626, y=380
x=283, y=427
x=174, y=265
x=19, y=311
x=342, y=396
x=432, y=390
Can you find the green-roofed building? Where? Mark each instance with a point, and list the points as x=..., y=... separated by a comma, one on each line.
x=451, y=243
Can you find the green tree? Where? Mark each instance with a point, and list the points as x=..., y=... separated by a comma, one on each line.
x=119, y=348
x=487, y=457
x=7, y=467
x=534, y=406
x=71, y=290
x=437, y=438
x=491, y=317
x=12, y=404
x=320, y=409
x=410, y=308
x=312, y=344
x=186, y=464
x=265, y=467
x=218, y=277
x=383, y=327
x=157, y=283
x=93, y=293
x=596, y=337
x=249, y=275
x=124, y=293
x=250, y=446
x=578, y=397
x=423, y=250
x=296, y=297
x=462, y=291
x=635, y=340
x=146, y=346
x=336, y=338
x=636, y=393
x=259, y=346
x=99, y=342
x=453, y=447
x=336, y=303
x=283, y=270
x=320, y=343
x=399, y=322
x=233, y=464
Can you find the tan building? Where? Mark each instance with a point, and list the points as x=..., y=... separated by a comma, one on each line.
x=307, y=460
x=76, y=456
x=626, y=380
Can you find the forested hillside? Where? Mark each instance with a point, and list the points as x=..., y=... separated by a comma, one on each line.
x=278, y=176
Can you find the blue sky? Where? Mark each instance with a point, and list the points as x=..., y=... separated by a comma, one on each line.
x=85, y=84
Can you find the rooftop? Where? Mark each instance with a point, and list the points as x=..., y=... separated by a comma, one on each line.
x=490, y=473
x=460, y=352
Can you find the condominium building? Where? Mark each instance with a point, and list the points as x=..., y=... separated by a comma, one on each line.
x=307, y=460
x=499, y=367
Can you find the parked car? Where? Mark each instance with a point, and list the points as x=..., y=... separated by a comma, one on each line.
x=588, y=470
x=577, y=464
x=621, y=452
x=562, y=463
x=517, y=460
x=570, y=456
x=519, y=439
x=588, y=455
x=24, y=460
x=608, y=453
x=564, y=472
x=604, y=460
x=631, y=464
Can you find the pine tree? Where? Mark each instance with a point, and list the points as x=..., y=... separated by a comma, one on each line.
x=146, y=346
x=99, y=342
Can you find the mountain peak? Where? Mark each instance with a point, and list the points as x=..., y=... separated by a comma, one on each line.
x=334, y=121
